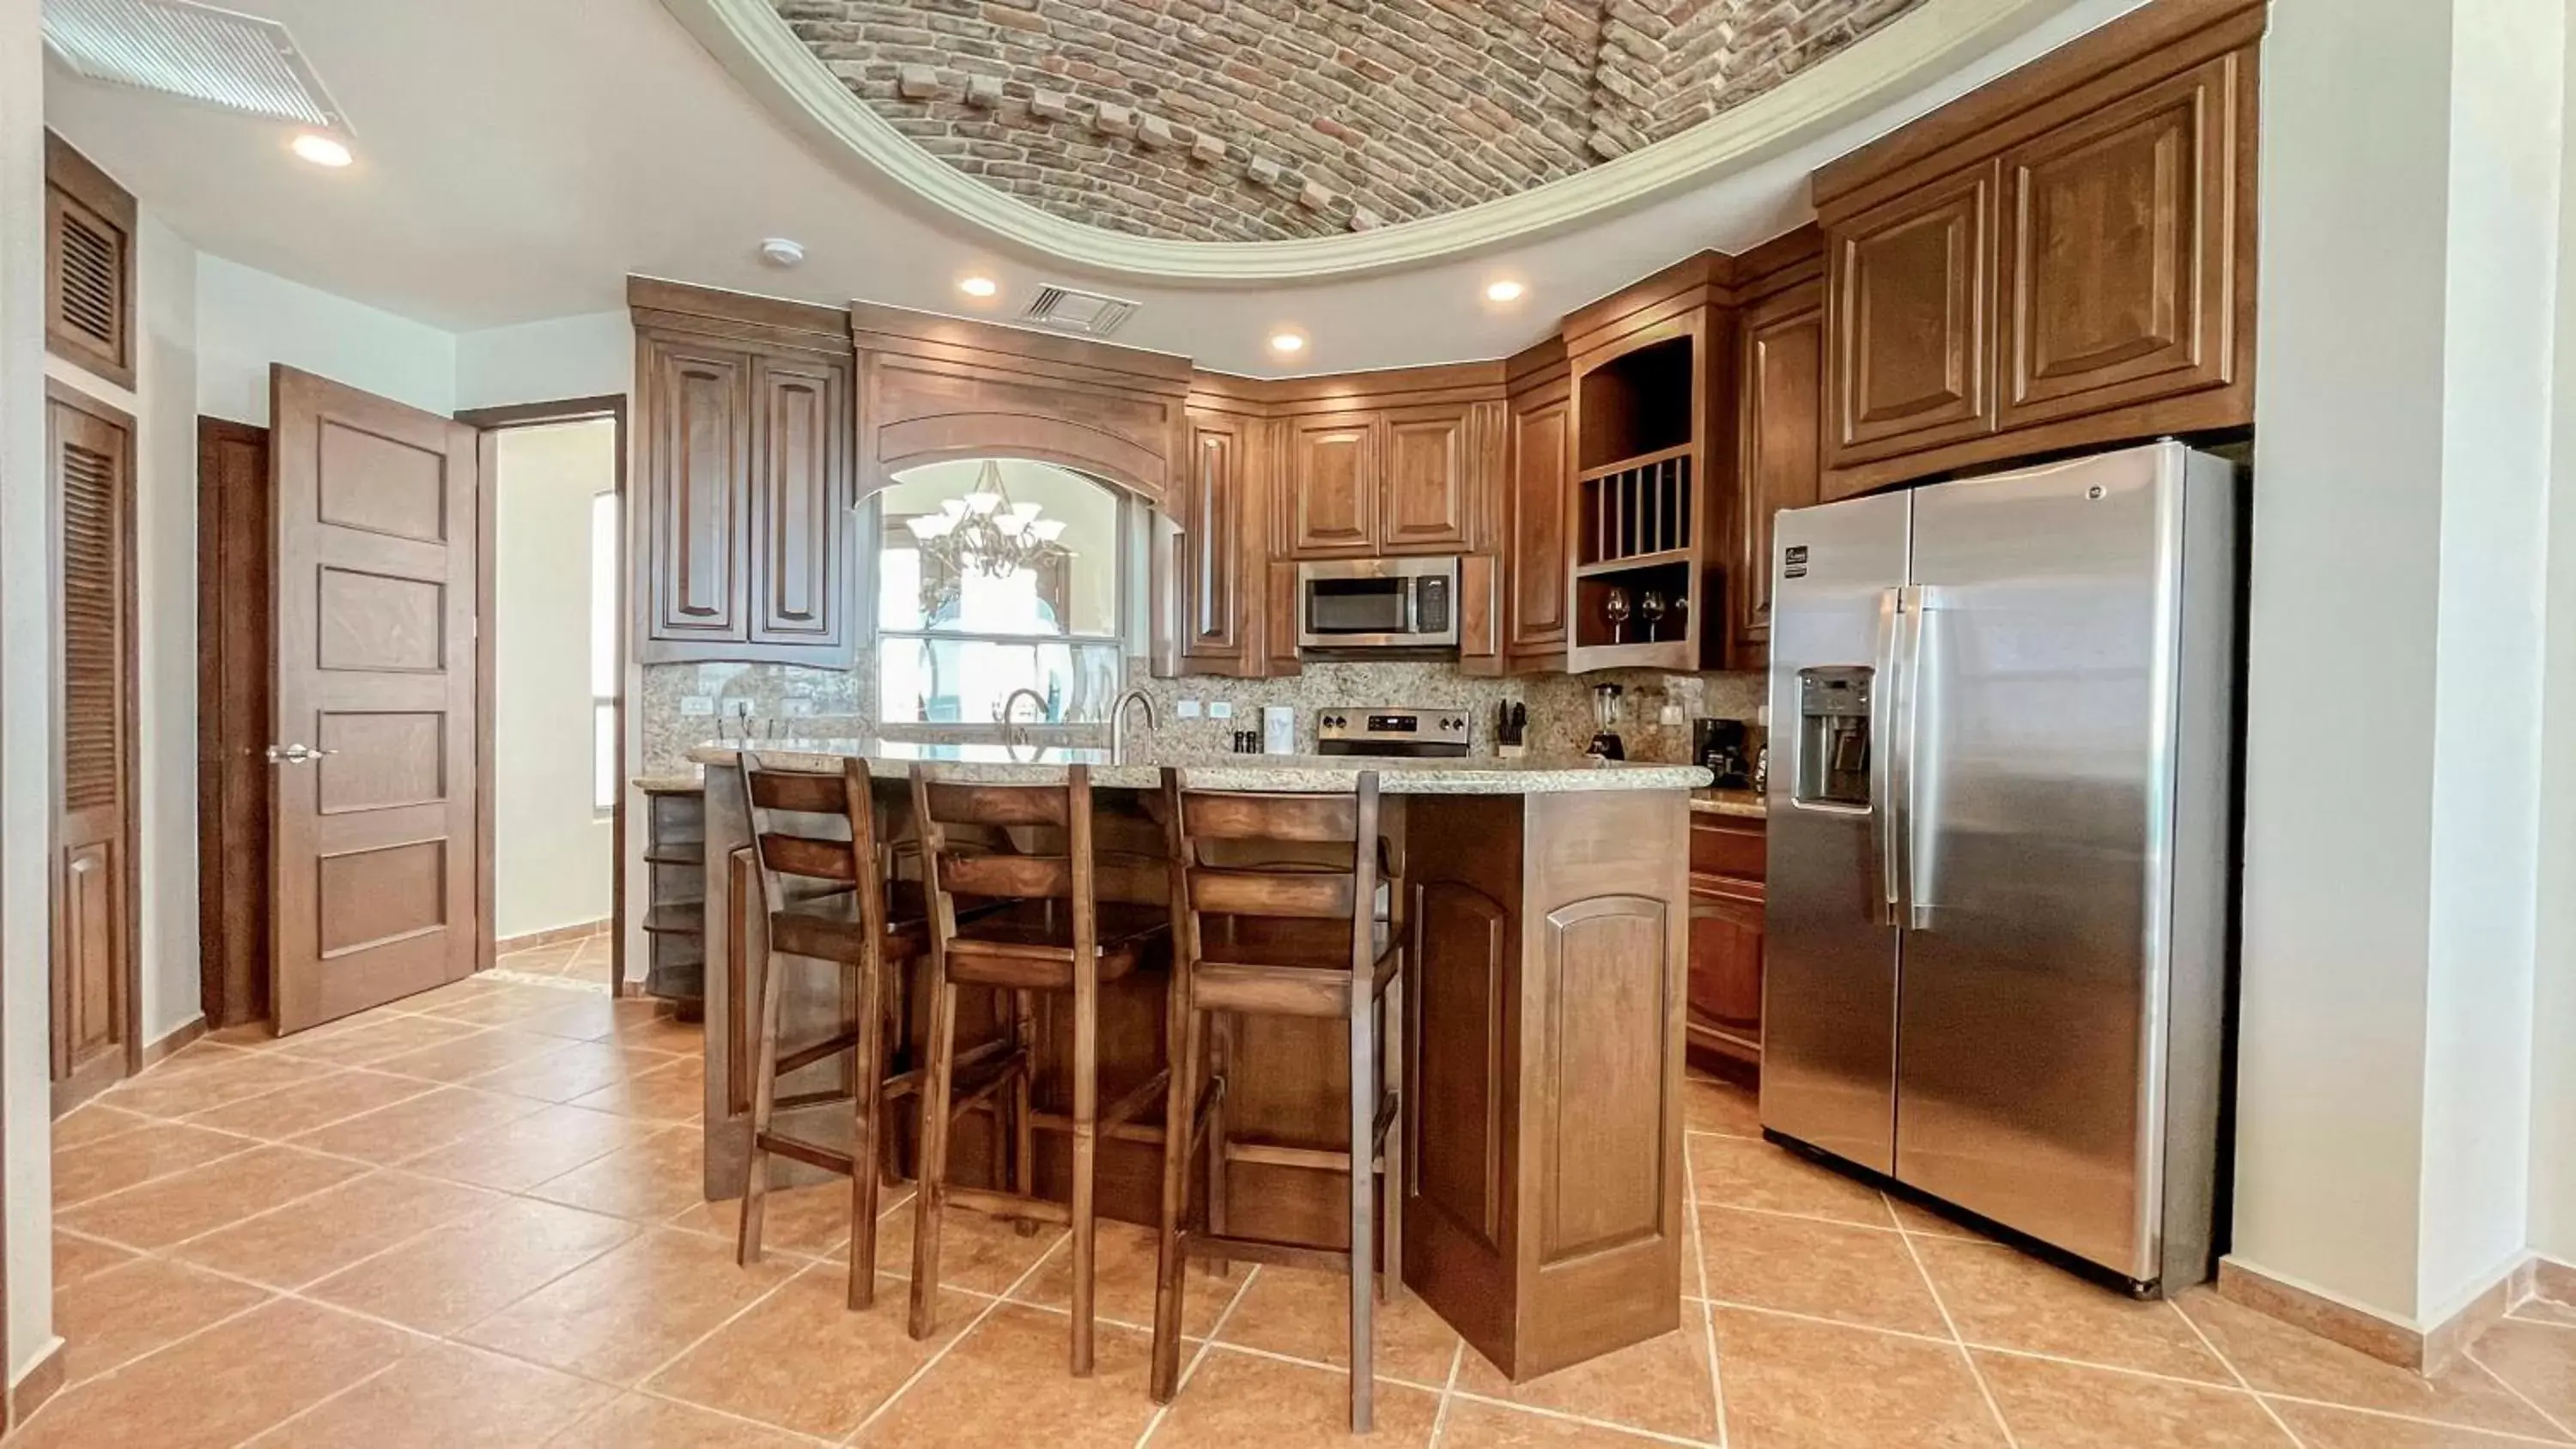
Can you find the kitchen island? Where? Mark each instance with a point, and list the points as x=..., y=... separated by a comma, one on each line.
x=1546, y=903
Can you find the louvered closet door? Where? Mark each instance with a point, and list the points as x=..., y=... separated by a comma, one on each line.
x=91, y=461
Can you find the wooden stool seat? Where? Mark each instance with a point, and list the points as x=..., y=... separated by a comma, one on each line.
x=832, y=927
x=1028, y=945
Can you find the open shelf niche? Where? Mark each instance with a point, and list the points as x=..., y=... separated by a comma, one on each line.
x=1643, y=588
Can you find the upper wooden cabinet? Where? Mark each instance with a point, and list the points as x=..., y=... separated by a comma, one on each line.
x=2061, y=259
x=1912, y=287
x=1222, y=559
x=1538, y=462
x=2115, y=266
x=744, y=464
x=1422, y=504
x=89, y=265
x=1333, y=485
x=1780, y=380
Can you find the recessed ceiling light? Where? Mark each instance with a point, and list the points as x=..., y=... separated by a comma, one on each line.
x=1287, y=342
x=322, y=150
x=1504, y=291
x=978, y=286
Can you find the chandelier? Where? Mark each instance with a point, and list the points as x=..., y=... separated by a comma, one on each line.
x=985, y=532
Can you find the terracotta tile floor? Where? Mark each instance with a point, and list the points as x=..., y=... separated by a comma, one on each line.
x=473, y=1219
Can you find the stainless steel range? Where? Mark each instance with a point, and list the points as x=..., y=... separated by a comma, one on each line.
x=1422, y=734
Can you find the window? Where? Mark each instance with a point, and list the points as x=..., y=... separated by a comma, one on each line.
x=603, y=652
x=995, y=576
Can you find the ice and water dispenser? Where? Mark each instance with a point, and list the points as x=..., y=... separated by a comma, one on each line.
x=1833, y=737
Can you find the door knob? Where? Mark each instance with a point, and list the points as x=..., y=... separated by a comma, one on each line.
x=297, y=753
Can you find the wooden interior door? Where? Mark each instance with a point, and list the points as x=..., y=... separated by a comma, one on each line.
x=373, y=886
x=90, y=457
x=234, y=540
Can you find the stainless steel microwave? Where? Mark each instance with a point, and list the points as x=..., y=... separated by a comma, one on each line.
x=1378, y=604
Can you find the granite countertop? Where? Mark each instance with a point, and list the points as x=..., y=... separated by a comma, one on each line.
x=669, y=784
x=1742, y=804
x=1004, y=764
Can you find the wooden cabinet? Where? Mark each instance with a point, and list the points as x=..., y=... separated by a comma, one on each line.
x=1423, y=500
x=1724, y=993
x=1781, y=378
x=1333, y=486
x=1221, y=561
x=1538, y=460
x=2062, y=259
x=2115, y=258
x=744, y=468
x=1911, y=284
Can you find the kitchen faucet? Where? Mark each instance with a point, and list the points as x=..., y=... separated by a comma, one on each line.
x=1118, y=722
x=1013, y=732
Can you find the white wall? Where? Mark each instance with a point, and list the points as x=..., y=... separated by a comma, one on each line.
x=26, y=692
x=591, y=355
x=2401, y=456
x=552, y=850
x=247, y=319
x=2553, y=1095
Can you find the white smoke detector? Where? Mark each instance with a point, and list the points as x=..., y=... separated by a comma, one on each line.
x=779, y=252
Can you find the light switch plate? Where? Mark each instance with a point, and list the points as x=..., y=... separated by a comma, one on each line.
x=1185, y=709
x=697, y=704
x=1220, y=709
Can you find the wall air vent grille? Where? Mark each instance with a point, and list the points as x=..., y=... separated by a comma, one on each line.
x=1067, y=309
x=196, y=52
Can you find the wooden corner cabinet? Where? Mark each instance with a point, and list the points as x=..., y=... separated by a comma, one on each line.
x=2061, y=259
x=744, y=457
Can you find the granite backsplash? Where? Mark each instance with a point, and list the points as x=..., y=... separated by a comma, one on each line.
x=791, y=701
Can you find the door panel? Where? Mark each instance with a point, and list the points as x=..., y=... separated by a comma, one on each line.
x=1333, y=478
x=373, y=875
x=1424, y=500
x=1910, y=289
x=1830, y=951
x=799, y=501
x=1541, y=457
x=1213, y=545
x=2040, y=701
x=696, y=507
x=91, y=468
x=2117, y=268
x=1726, y=961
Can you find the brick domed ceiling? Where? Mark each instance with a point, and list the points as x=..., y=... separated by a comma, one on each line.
x=1263, y=120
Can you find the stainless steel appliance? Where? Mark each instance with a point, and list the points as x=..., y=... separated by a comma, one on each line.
x=1391, y=731
x=1375, y=605
x=1999, y=856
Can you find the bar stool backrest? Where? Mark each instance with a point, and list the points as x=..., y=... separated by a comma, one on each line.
x=815, y=834
x=1343, y=890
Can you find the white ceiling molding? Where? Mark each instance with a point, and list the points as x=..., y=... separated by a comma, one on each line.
x=749, y=39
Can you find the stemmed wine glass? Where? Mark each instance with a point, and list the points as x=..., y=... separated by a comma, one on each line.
x=1650, y=611
x=1614, y=607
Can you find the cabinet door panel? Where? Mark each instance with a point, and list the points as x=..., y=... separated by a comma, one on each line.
x=799, y=501
x=1726, y=961
x=2117, y=262
x=1912, y=328
x=697, y=460
x=1213, y=524
x=1534, y=552
x=1424, y=496
x=1280, y=621
x=1333, y=479
x=1783, y=379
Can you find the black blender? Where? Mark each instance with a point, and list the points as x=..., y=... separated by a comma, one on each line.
x=1605, y=716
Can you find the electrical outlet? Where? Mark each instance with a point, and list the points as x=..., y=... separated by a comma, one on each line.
x=1185, y=709
x=1220, y=709
x=697, y=704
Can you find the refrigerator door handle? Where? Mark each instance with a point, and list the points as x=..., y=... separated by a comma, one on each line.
x=1886, y=817
x=1921, y=784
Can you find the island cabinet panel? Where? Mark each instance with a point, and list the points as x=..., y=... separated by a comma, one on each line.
x=1782, y=376
x=2116, y=264
x=1601, y=1169
x=697, y=466
x=1461, y=999
x=1912, y=284
x=1333, y=478
x=1424, y=500
x=1539, y=461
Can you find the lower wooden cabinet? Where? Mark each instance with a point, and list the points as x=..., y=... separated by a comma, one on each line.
x=1725, y=986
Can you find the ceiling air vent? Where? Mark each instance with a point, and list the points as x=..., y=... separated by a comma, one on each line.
x=179, y=48
x=1068, y=310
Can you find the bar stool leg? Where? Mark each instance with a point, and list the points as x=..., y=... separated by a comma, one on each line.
x=1086, y=1155
x=1180, y=1111
x=1390, y=1284
x=1023, y=1136
x=1363, y=1204
x=764, y=1097
x=1220, y=1039
x=929, y=1201
x=867, y=1097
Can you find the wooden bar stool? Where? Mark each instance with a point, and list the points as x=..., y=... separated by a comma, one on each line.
x=1069, y=922
x=1355, y=977
x=826, y=896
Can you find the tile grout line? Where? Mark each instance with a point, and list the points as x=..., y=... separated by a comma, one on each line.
x=1224, y=1316
x=1274, y=1356
x=1707, y=1315
x=1984, y=1390
x=2237, y=1374
x=1448, y=1394
x=1567, y=1416
x=2509, y=1387
x=941, y=1353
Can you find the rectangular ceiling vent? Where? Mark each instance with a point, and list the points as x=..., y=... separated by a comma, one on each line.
x=1067, y=309
x=196, y=52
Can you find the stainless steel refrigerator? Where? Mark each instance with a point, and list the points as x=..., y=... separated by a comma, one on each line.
x=2001, y=744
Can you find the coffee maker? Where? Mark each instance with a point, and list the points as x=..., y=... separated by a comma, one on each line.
x=1724, y=748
